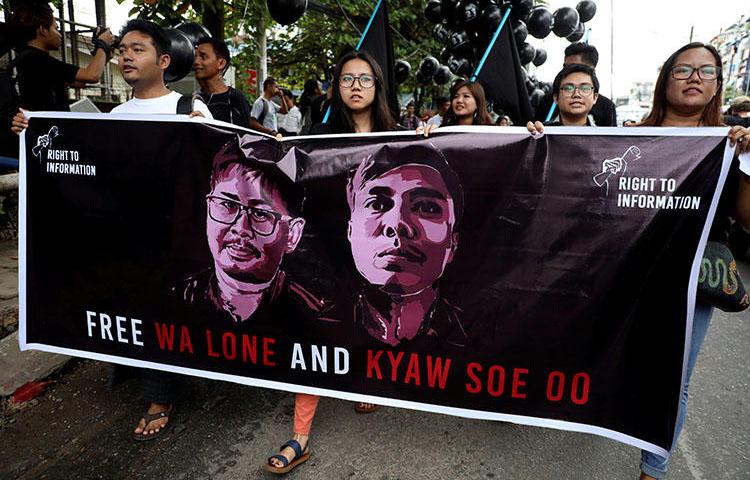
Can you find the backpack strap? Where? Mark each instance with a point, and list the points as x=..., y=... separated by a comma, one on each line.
x=185, y=105
x=265, y=110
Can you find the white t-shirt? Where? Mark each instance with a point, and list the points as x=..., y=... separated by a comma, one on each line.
x=164, y=104
x=292, y=121
x=269, y=121
x=435, y=120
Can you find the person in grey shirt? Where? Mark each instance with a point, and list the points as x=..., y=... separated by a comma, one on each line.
x=263, y=114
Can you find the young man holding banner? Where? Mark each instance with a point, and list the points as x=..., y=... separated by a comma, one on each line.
x=144, y=56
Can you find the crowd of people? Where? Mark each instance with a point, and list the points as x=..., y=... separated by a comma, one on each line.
x=688, y=93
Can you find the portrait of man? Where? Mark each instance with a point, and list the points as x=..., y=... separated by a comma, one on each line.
x=253, y=221
x=406, y=205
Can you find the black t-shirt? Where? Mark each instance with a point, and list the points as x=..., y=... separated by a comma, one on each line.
x=42, y=81
x=230, y=106
x=603, y=111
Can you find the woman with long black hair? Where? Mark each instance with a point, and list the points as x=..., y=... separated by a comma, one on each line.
x=359, y=105
x=688, y=93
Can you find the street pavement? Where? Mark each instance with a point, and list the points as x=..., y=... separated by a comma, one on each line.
x=79, y=429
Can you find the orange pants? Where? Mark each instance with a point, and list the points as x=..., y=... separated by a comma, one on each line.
x=304, y=412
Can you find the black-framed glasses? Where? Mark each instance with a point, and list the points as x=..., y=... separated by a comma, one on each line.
x=365, y=81
x=585, y=89
x=705, y=72
x=226, y=211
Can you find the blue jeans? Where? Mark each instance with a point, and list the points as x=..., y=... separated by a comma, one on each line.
x=651, y=463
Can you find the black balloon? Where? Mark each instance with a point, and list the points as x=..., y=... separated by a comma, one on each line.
x=402, y=69
x=194, y=31
x=490, y=19
x=536, y=97
x=540, y=57
x=442, y=76
x=577, y=33
x=286, y=12
x=433, y=11
x=468, y=13
x=520, y=32
x=459, y=66
x=449, y=10
x=530, y=86
x=586, y=10
x=429, y=66
x=182, y=55
x=521, y=8
x=441, y=33
x=458, y=41
x=423, y=79
x=526, y=53
x=539, y=22
x=565, y=21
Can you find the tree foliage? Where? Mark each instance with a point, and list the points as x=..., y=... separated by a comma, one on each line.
x=309, y=47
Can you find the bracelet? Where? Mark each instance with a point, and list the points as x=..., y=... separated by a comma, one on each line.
x=100, y=44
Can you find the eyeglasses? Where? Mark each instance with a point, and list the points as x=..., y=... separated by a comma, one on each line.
x=584, y=89
x=226, y=211
x=365, y=81
x=705, y=72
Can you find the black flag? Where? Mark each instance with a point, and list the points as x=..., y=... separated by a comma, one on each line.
x=503, y=80
x=377, y=41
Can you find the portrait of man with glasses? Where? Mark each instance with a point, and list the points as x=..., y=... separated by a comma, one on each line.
x=253, y=221
x=575, y=90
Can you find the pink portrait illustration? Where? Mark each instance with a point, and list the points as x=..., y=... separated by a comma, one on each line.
x=405, y=208
x=253, y=221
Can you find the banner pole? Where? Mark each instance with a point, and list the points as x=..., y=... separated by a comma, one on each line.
x=492, y=44
x=551, y=111
x=359, y=45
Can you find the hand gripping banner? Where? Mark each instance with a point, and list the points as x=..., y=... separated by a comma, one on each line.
x=479, y=272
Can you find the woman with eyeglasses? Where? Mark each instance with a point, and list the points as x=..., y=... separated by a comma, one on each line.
x=359, y=105
x=688, y=93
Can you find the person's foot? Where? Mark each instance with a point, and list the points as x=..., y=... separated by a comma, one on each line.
x=646, y=477
x=153, y=427
x=288, y=452
x=366, y=407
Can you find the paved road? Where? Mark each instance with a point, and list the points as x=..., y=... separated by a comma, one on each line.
x=79, y=430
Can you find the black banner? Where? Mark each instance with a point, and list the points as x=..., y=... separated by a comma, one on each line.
x=479, y=272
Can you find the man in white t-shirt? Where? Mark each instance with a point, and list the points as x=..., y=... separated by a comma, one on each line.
x=291, y=122
x=144, y=57
x=443, y=104
x=263, y=114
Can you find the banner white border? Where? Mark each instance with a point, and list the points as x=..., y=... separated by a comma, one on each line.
x=460, y=412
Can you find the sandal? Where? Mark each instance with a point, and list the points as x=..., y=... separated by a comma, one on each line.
x=300, y=456
x=150, y=417
x=366, y=407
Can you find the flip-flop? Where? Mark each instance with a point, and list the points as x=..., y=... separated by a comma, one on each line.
x=300, y=456
x=150, y=417
x=361, y=408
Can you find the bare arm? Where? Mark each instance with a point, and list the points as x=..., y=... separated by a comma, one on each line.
x=256, y=125
x=94, y=70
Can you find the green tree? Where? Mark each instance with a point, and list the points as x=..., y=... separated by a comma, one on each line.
x=309, y=47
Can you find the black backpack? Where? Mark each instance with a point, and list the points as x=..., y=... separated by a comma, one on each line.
x=185, y=105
